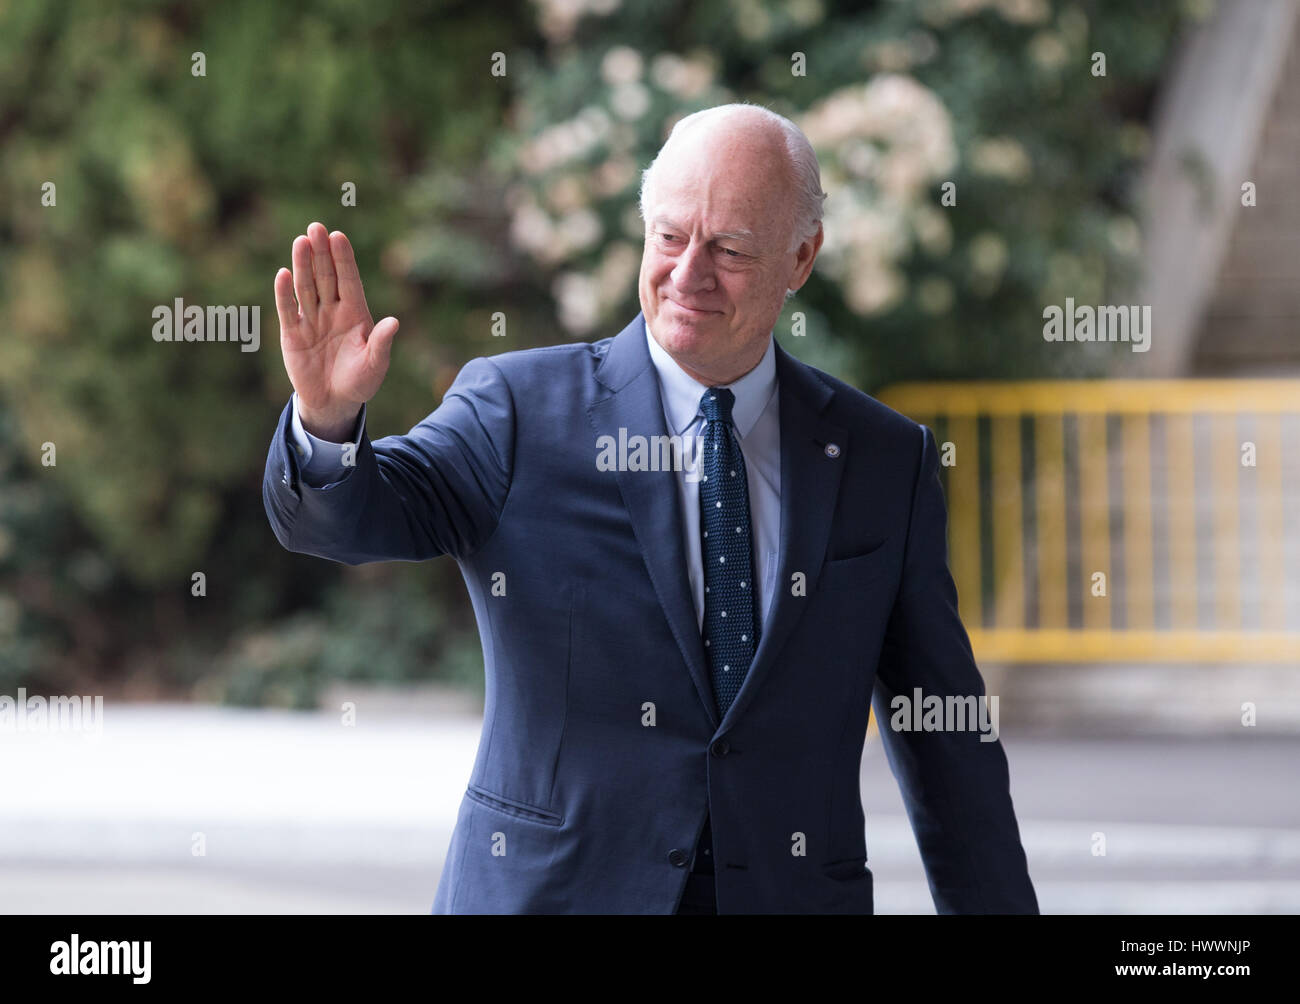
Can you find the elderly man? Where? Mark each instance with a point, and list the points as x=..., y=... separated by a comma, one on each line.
x=680, y=656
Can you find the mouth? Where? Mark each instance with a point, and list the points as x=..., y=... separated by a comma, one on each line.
x=689, y=310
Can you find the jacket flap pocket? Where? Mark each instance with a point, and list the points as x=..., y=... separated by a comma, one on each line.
x=512, y=807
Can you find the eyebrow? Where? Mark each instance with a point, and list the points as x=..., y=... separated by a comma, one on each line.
x=725, y=235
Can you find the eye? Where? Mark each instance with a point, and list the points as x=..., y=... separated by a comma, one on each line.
x=731, y=252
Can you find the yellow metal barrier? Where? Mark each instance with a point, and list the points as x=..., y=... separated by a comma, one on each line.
x=1121, y=520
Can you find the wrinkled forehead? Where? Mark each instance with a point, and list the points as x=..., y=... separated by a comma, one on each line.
x=723, y=185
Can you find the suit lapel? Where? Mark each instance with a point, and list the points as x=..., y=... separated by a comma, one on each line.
x=810, y=482
x=652, y=497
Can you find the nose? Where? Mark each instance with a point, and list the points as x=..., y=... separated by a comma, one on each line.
x=694, y=271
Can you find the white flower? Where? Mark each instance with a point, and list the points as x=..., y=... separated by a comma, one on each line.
x=683, y=78
x=1001, y=157
x=1024, y=11
x=893, y=110
x=988, y=255
x=577, y=295
x=804, y=12
x=873, y=288
x=752, y=21
x=565, y=141
x=558, y=18
x=933, y=230
x=630, y=101
x=565, y=194
x=580, y=230
x=615, y=175
x=531, y=228
x=883, y=145
x=619, y=268
x=1048, y=51
x=621, y=65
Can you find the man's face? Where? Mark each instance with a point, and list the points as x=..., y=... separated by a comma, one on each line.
x=716, y=266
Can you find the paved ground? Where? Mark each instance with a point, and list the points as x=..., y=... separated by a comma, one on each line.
x=295, y=813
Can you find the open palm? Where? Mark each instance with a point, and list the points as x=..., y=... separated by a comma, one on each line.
x=335, y=354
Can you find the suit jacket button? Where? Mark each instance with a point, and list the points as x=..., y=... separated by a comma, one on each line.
x=721, y=748
x=678, y=857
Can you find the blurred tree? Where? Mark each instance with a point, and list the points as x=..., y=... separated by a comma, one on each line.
x=977, y=168
x=477, y=192
x=172, y=184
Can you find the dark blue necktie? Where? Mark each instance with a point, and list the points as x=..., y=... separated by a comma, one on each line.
x=730, y=605
x=731, y=620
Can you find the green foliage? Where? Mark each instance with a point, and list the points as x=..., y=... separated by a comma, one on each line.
x=476, y=193
x=384, y=630
x=175, y=185
x=997, y=97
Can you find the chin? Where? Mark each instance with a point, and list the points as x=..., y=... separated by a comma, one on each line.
x=682, y=339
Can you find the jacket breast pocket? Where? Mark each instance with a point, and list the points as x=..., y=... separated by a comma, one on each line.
x=858, y=572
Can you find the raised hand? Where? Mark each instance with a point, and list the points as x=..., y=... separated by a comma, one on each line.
x=335, y=354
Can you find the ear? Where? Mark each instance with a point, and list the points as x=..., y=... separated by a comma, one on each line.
x=805, y=255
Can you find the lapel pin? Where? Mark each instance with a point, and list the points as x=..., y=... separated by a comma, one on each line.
x=832, y=450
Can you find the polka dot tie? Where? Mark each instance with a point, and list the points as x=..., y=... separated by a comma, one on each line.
x=730, y=609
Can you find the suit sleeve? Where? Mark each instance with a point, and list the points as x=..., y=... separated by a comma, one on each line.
x=439, y=489
x=955, y=787
x=321, y=461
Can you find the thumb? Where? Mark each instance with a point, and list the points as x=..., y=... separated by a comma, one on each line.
x=380, y=342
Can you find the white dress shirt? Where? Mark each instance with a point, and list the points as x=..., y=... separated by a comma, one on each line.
x=755, y=416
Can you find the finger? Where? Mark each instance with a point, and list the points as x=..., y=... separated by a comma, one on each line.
x=345, y=267
x=380, y=342
x=285, y=305
x=304, y=286
x=322, y=264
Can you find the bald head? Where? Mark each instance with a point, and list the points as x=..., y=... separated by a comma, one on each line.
x=740, y=129
x=732, y=207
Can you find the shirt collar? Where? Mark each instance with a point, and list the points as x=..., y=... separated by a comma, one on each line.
x=682, y=393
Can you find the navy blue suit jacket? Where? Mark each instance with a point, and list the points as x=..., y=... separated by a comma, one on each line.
x=601, y=748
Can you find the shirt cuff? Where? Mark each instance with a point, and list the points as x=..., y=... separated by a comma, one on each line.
x=320, y=461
